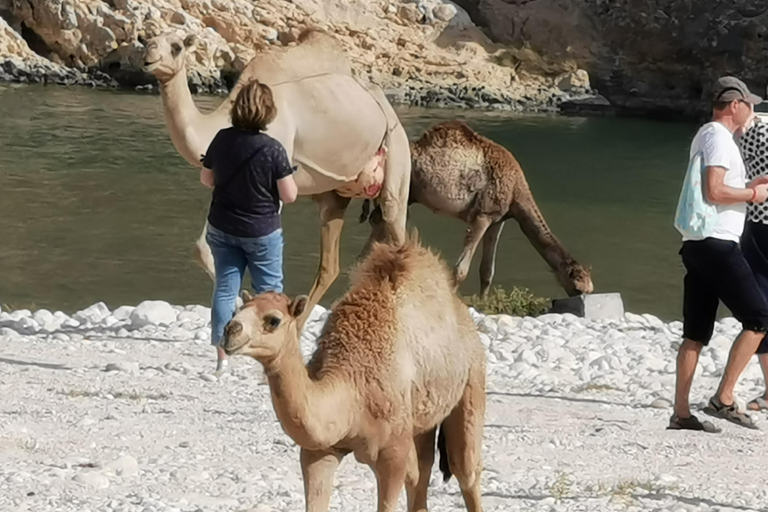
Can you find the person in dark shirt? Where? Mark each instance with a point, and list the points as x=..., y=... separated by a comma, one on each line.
x=250, y=174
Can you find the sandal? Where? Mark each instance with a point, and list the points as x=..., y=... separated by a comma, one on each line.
x=758, y=404
x=692, y=423
x=728, y=413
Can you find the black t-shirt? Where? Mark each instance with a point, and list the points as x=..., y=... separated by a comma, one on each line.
x=245, y=196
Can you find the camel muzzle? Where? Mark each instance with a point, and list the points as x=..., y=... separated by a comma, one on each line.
x=231, y=330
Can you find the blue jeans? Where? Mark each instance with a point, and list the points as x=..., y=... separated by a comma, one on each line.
x=231, y=254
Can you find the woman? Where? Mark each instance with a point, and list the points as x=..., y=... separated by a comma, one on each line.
x=250, y=174
x=754, y=241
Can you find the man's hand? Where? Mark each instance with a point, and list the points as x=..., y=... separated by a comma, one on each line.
x=761, y=180
x=761, y=193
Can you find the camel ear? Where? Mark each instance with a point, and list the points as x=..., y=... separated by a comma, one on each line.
x=298, y=305
x=190, y=42
x=246, y=296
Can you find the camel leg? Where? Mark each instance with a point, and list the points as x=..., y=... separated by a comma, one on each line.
x=391, y=468
x=203, y=254
x=317, y=470
x=332, y=208
x=394, y=193
x=425, y=452
x=475, y=233
x=464, y=438
x=488, y=262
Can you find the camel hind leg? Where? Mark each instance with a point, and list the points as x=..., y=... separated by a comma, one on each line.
x=488, y=261
x=463, y=439
x=393, y=201
x=475, y=232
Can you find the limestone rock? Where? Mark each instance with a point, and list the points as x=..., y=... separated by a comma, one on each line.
x=578, y=79
x=153, y=313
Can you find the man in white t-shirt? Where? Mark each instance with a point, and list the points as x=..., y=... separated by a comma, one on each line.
x=716, y=268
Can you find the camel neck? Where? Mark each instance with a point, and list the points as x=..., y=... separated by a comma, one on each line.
x=312, y=412
x=182, y=117
x=535, y=228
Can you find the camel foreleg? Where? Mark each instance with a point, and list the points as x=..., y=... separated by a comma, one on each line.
x=425, y=453
x=392, y=466
x=203, y=254
x=488, y=261
x=332, y=208
x=317, y=470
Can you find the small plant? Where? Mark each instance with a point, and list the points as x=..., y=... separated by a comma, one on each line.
x=561, y=486
x=517, y=302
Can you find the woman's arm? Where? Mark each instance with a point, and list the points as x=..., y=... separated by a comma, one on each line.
x=206, y=177
x=287, y=189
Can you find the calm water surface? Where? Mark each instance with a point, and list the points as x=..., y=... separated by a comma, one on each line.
x=95, y=204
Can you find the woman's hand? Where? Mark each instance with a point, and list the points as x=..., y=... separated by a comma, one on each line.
x=287, y=189
x=206, y=177
x=741, y=130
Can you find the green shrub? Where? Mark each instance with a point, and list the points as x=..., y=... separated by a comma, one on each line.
x=517, y=302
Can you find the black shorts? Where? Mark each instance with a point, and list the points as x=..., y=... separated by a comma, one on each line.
x=717, y=271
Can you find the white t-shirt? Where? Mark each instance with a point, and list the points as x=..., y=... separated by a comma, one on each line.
x=719, y=149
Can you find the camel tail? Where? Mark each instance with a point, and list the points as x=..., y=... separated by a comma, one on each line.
x=444, y=467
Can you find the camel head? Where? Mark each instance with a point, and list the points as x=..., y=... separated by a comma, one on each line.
x=164, y=55
x=263, y=325
x=575, y=278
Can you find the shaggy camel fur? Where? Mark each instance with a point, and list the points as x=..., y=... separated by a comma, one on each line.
x=398, y=358
x=459, y=173
x=344, y=137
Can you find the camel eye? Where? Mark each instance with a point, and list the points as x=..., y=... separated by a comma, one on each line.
x=272, y=322
x=175, y=49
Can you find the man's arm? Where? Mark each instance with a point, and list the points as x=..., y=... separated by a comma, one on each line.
x=720, y=193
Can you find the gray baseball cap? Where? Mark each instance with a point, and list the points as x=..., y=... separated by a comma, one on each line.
x=729, y=88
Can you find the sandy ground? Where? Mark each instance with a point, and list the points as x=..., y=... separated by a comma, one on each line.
x=93, y=421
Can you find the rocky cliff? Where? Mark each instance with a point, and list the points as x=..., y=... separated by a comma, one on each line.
x=427, y=52
x=644, y=56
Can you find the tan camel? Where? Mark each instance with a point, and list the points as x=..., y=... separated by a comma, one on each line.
x=344, y=137
x=459, y=173
x=398, y=358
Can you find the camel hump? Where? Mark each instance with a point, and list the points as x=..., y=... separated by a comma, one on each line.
x=451, y=133
x=396, y=264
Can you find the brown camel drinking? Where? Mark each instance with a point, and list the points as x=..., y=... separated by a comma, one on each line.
x=399, y=357
x=458, y=173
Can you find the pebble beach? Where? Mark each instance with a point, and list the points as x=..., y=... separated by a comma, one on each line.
x=119, y=410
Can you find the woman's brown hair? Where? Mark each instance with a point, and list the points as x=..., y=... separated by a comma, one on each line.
x=254, y=108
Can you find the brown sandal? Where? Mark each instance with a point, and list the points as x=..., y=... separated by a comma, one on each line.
x=692, y=423
x=729, y=413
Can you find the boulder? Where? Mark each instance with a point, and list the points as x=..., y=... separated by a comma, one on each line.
x=153, y=313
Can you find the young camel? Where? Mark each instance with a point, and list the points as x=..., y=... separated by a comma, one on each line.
x=398, y=358
x=459, y=173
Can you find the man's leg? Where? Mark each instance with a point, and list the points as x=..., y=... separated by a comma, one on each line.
x=699, y=314
x=739, y=291
x=687, y=359
x=761, y=402
x=742, y=351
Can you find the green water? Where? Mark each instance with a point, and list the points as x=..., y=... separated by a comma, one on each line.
x=95, y=204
